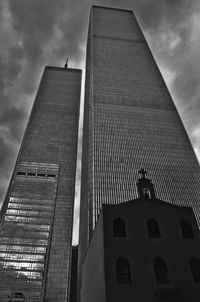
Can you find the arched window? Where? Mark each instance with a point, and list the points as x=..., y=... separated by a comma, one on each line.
x=161, y=271
x=119, y=229
x=123, y=271
x=153, y=228
x=146, y=193
x=195, y=268
x=186, y=229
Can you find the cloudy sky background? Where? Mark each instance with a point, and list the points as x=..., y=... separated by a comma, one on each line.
x=35, y=33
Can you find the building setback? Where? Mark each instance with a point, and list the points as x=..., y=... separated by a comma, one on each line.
x=37, y=214
x=130, y=121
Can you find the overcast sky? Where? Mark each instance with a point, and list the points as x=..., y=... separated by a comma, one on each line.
x=35, y=33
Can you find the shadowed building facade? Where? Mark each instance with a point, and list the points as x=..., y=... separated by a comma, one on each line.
x=37, y=214
x=130, y=121
x=143, y=250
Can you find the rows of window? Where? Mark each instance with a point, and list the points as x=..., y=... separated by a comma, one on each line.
x=21, y=257
x=119, y=228
x=27, y=224
x=22, y=173
x=29, y=240
x=20, y=297
x=28, y=213
x=17, y=296
x=32, y=220
x=21, y=265
x=31, y=207
x=161, y=273
x=22, y=249
x=24, y=238
x=21, y=282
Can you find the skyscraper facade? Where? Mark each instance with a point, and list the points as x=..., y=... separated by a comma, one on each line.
x=130, y=122
x=37, y=214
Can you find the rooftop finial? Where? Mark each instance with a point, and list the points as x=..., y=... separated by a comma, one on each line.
x=143, y=172
x=66, y=64
x=145, y=186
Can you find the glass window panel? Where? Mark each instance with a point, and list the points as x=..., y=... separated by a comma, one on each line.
x=31, y=201
x=43, y=227
x=7, y=226
x=26, y=274
x=26, y=257
x=14, y=205
x=34, y=283
x=39, y=258
x=3, y=255
x=9, y=264
x=33, y=249
x=31, y=257
x=23, y=219
x=29, y=213
x=16, y=248
x=10, y=256
x=13, y=256
x=40, y=207
x=10, y=218
x=40, y=249
x=24, y=240
x=35, y=294
x=37, y=275
x=7, y=281
x=43, y=234
x=27, y=265
x=22, y=283
x=22, y=256
x=8, y=239
x=29, y=249
x=3, y=247
x=13, y=212
x=37, y=266
x=42, y=242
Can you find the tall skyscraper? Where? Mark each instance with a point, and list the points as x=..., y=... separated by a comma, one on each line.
x=36, y=218
x=130, y=122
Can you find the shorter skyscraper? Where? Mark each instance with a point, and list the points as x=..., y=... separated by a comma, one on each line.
x=143, y=250
x=37, y=214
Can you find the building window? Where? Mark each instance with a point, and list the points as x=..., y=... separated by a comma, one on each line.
x=21, y=173
x=119, y=229
x=195, y=268
x=153, y=228
x=31, y=174
x=123, y=271
x=161, y=271
x=186, y=229
x=16, y=296
x=51, y=175
x=146, y=193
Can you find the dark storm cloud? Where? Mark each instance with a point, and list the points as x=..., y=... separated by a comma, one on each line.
x=178, y=51
x=12, y=118
x=41, y=22
x=35, y=21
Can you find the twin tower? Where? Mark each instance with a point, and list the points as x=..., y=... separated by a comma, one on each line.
x=130, y=122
